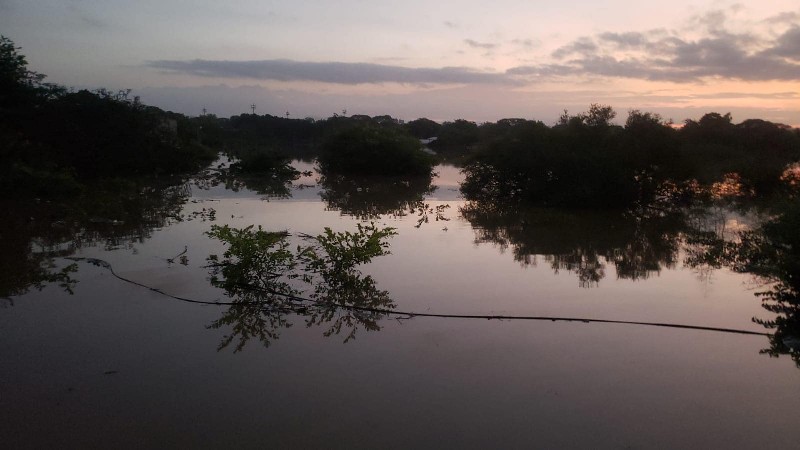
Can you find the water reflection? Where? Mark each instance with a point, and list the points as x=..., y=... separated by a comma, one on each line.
x=371, y=197
x=319, y=285
x=771, y=252
x=259, y=272
x=272, y=183
x=581, y=242
x=114, y=214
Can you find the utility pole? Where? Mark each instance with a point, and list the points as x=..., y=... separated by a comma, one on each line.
x=253, y=107
x=204, y=111
x=287, y=114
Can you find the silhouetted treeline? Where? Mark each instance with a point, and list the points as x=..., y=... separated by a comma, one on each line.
x=583, y=160
x=357, y=144
x=53, y=140
x=586, y=161
x=299, y=138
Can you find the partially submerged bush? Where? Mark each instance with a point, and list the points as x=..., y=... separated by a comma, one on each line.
x=258, y=268
x=370, y=150
x=263, y=162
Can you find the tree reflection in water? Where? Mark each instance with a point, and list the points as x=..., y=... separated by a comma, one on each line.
x=369, y=198
x=113, y=213
x=263, y=277
x=582, y=242
x=771, y=252
x=273, y=182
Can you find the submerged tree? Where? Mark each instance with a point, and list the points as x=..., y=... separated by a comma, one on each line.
x=264, y=279
x=374, y=150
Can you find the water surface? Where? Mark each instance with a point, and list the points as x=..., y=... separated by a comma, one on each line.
x=116, y=364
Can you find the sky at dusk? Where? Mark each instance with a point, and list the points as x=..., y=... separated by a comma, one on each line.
x=442, y=60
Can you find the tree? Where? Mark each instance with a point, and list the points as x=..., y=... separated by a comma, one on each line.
x=599, y=115
x=14, y=67
x=373, y=150
x=19, y=87
x=458, y=134
x=639, y=119
x=423, y=128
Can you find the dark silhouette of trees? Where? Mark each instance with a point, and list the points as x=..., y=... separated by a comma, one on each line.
x=423, y=128
x=102, y=134
x=599, y=115
x=456, y=137
x=586, y=161
x=374, y=150
x=53, y=140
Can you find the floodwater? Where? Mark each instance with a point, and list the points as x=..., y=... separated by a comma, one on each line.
x=115, y=364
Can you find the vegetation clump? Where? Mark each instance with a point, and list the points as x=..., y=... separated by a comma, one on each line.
x=257, y=271
x=586, y=161
x=374, y=150
x=53, y=141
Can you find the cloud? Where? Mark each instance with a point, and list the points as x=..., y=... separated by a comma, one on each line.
x=484, y=45
x=665, y=56
x=760, y=95
x=330, y=72
x=85, y=18
x=526, y=43
x=582, y=46
x=787, y=17
x=714, y=20
x=702, y=51
x=625, y=40
x=788, y=44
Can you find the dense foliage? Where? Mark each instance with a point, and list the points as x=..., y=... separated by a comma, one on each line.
x=375, y=150
x=264, y=278
x=586, y=161
x=53, y=141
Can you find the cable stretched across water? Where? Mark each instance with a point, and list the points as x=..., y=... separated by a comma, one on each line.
x=410, y=314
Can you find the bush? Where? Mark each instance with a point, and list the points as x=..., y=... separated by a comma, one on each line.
x=371, y=150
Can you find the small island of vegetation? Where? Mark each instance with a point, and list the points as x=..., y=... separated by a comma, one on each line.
x=374, y=150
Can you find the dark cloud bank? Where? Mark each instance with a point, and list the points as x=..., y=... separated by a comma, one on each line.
x=656, y=56
x=330, y=72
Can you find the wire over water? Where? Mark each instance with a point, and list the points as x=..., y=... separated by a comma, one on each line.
x=409, y=314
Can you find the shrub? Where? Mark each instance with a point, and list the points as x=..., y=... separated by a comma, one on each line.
x=371, y=150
